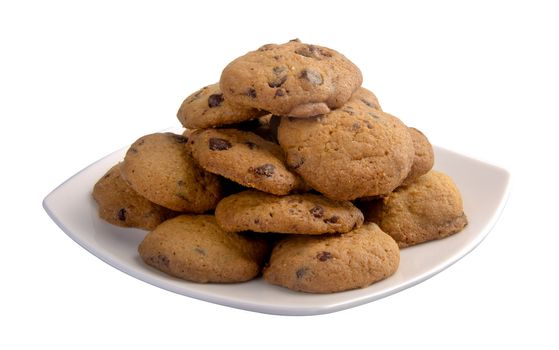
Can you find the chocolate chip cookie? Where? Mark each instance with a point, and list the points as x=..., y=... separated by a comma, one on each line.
x=333, y=263
x=194, y=248
x=245, y=158
x=120, y=205
x=158, y=167
x=427, y=209
x=207, y=108
x=292, y=79
x=424, y=156
x=367, y=97
x=297, y=213
x=354, y=151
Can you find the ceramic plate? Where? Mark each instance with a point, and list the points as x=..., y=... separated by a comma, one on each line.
x=484, y=189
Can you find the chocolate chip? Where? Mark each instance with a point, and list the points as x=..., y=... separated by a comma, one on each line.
x=348, y=111
x=301, y=272
x=369, y=125
x=304, y=51
x=121, y=214
x=313, y=52
x=324, y=53
x=265, y=170
x=294, y=164
x=332, y=220
x=355, y=126
x=250, y=92
x=181, y=183
x=215, y=100
x=250, y=145
x=277, y=82
x=133, y=150
x=323, y=256
x=311, y=76
x=368, y=103
x=266, y=47
x=276, y=57
x=200, y=251
x=297, y=40
x=179, y=138
x=317, y=211
x=183, y=196
x=280, y=93
x=217, y=144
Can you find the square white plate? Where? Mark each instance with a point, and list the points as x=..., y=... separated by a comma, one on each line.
x=484, y=189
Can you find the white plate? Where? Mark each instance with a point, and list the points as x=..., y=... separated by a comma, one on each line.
x=484, y=188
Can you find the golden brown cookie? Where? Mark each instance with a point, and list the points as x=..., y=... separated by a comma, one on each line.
x=367, y=97
x=333, y=263
x=120, y=205
x=245, y=158
x=158, y=167
x=424, y=156
x=427, y=209
x=352, y=152
x=293, y=79
x=207, y=108
x=297, y=213
x=194, y=248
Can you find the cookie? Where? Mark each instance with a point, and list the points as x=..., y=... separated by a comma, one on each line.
x=427, y=209
x=424, y=156
x=194, y=248
x=333, y=263
x=120, y=205
x=352, y=152
x=297, y=213
x=207, y=108
x=291, y=79
x=367, y=97
x=158, y=167
x=245, y=158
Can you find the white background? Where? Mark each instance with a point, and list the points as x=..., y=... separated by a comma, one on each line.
x=78, y=81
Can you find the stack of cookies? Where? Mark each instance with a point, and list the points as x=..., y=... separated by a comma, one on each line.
x=288, y=168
